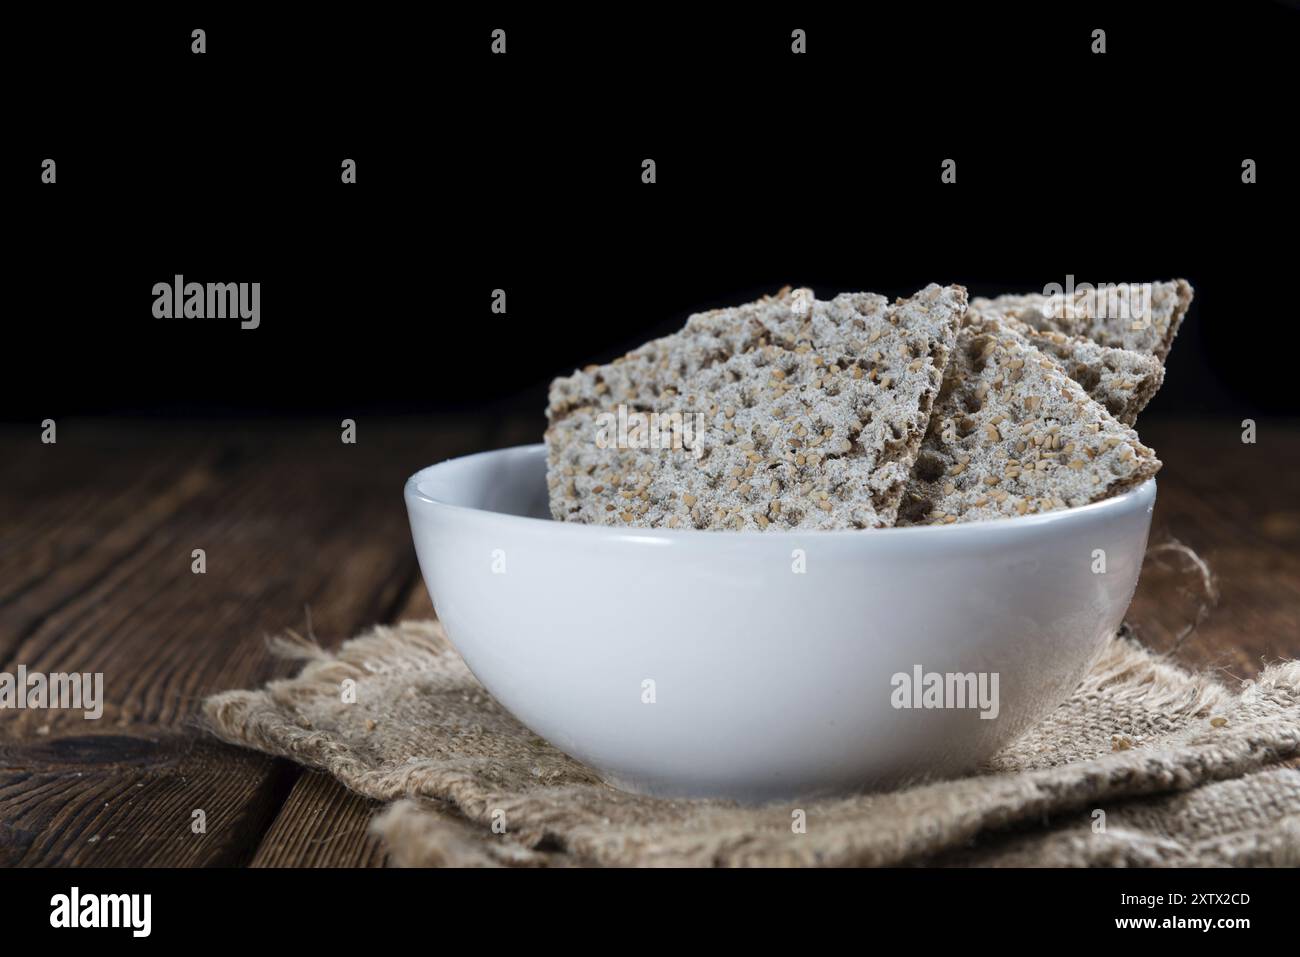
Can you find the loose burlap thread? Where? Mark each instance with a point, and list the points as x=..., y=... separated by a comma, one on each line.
x=1146, y=764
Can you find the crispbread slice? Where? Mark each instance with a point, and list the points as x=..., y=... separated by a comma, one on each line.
x=1122, y=380
x=1012, y=434
x=1114, y=318
x=810, y=415
x=638, y=378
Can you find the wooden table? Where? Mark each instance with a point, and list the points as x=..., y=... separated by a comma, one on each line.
x=96, y=537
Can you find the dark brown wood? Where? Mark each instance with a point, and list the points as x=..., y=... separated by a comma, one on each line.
x=290, y=519
x=95, y=553
x=130, y=799
x=322, y=824
x=1236, y=506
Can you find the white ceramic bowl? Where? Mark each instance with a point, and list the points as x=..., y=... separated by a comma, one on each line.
x=768, y=682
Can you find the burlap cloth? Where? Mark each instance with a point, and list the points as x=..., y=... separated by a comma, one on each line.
x=1146, y=764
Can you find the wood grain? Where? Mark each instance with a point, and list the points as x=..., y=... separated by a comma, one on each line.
x=322, y=824
x=129, y=799
x=1236, y=506
x=290, y=519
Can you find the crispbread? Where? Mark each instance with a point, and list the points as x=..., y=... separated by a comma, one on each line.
x=1110, y=318
x=811, y=414
x=1122, y=380
x=1012, y=434
x=638, y=378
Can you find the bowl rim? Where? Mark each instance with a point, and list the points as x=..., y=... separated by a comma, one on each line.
x=1142, y=493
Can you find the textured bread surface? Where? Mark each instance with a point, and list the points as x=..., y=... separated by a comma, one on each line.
x=806, y=414
x=1118, y=319
x=1012, y=434
x=1122, y=380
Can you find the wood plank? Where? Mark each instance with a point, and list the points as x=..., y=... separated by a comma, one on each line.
x=290, y=518
x=109, y=800
x=1235, y=506
x=322, y=824
x=286, y=525
x=74, y=513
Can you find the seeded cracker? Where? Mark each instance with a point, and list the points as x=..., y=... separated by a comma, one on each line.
x=1012, y=434
x=811, y=415
x=1117, y=321
x=657, y=369
x=1122, y=380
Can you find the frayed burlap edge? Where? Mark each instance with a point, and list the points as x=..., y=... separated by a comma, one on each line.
x=445, y=814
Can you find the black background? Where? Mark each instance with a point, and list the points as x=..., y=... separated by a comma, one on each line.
x=719, y=910
x=522, y=172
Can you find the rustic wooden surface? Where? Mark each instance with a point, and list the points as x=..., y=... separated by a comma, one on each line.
x=96, y=534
